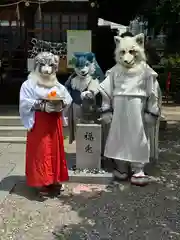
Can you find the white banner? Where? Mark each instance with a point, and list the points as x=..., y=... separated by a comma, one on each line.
x=77, y=41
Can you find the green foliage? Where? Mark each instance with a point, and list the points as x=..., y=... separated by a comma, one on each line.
x=172, y=5
x=173, y=60
x=162, y=13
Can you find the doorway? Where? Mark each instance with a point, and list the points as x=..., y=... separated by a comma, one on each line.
x=12, y=57
x=104, y=47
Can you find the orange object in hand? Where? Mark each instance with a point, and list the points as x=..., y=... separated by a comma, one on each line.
x=52, y=94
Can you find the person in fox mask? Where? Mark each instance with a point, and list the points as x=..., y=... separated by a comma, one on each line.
x=136, y=98
x=42, y=101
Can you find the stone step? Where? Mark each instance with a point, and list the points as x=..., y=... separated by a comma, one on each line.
x=12, y=131
x=17, y=134
x=15, y=120
x=10, y=121
x=12, y=139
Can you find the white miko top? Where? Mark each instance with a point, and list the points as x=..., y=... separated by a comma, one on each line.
x=138, y=81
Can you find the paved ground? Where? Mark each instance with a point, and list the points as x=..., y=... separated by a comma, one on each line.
x=172, y=112
x=93, y=212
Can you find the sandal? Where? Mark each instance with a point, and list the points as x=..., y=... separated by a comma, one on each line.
x=140, y=180
x=42, y=192
x=56, y=189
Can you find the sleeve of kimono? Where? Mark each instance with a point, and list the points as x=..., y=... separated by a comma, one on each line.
x=67, y=99
x=107, y=72
x=106, y=92
x=106, y=85
x=68, y=82
x=154, y=98
x=26, y=102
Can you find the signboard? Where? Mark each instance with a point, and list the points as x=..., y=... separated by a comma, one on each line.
x=38, y=46
x=77, y=41
x=88, y=146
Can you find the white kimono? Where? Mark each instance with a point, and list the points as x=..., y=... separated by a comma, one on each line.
x=131, y=93
x=30, y=92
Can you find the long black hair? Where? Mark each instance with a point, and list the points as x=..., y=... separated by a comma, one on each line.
x=126, y=34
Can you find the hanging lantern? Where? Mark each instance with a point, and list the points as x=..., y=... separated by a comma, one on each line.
x=93, y=4
x=27, y=3
x=18, y=12
x=39, y=11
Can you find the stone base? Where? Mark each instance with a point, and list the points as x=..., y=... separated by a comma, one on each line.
x=163, y=123
x=89, y=178
x=88, y=146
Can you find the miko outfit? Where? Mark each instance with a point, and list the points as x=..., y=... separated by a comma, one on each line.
x=45, y=156
x=135, y=102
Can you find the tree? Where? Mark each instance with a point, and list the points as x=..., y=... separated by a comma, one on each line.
x=161, y=13
x=164, y=15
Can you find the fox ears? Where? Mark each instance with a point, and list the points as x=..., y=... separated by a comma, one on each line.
x=88, y=55
x=117, y=39
x=138, y=38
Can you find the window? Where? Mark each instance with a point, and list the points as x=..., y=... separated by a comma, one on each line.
x=65, y=18
x=54, y=25
x=73, y=22
x=83, y=21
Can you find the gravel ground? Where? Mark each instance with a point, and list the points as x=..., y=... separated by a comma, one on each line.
x=93, y=212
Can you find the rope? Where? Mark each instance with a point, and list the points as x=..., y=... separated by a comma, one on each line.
x=11, y=4
x=16, y=3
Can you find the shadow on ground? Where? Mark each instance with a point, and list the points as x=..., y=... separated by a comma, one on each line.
x=121, y=211
x=71, y=160
x=17, y=184
x=10, y=181
x=125, y=212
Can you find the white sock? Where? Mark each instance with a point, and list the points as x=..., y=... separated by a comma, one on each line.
x=139, y=173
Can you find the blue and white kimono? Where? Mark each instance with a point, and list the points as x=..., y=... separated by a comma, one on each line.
x=87, y=76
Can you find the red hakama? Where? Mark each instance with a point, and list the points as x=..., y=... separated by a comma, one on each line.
x=45, y=156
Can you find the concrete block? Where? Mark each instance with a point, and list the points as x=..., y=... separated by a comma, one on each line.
x=10, y=121
x=89, y=178
x=13, y=131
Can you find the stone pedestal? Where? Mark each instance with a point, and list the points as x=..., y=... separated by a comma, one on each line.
x=88, y=146
x=163, y=123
